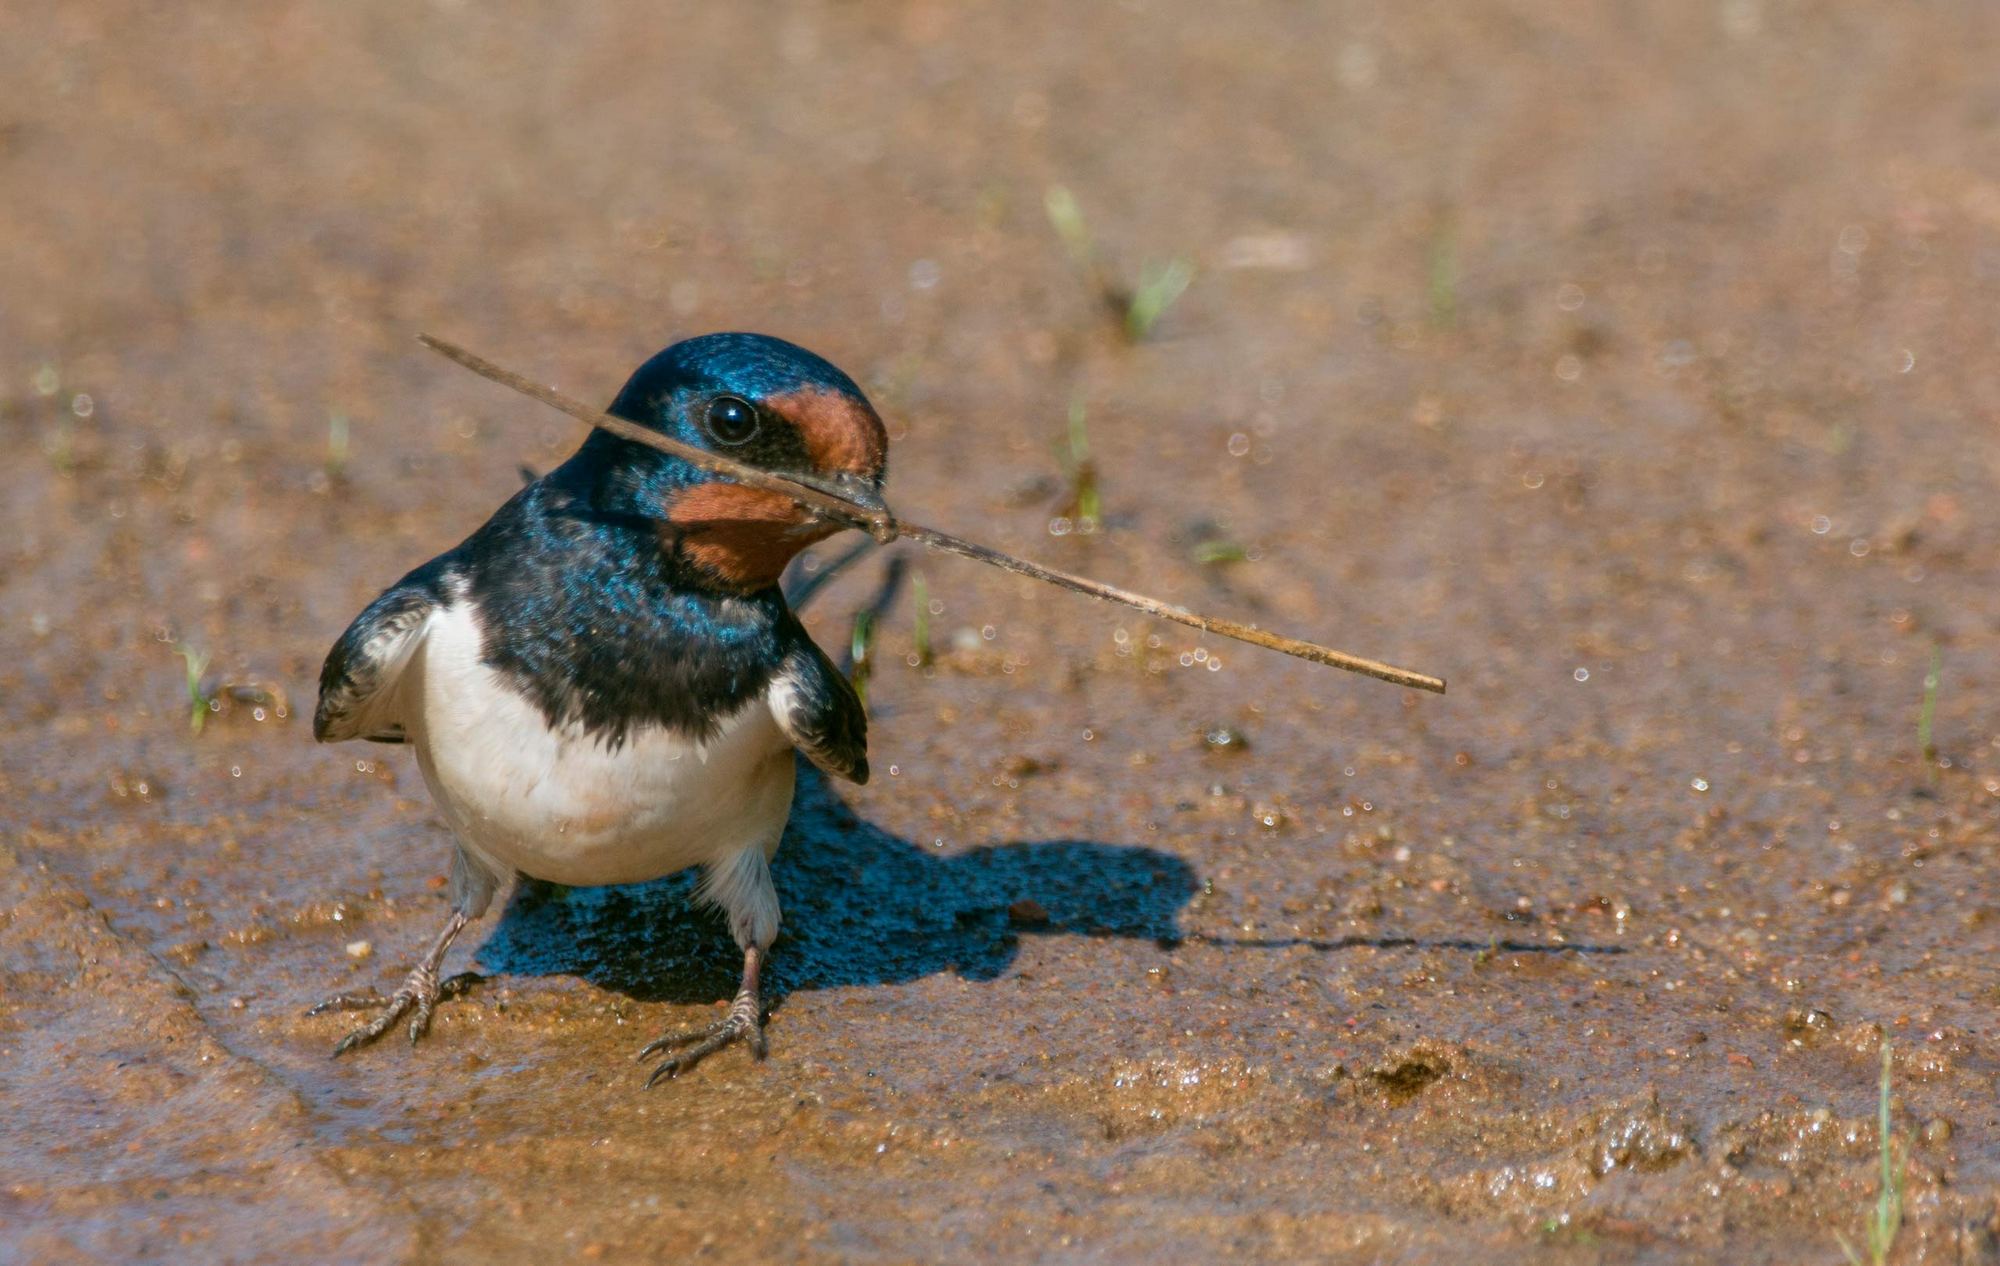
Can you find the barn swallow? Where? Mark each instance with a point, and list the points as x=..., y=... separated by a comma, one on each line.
x=604, y=683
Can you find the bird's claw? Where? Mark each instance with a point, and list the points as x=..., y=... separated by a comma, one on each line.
x=744, y=1023
x=418, y=997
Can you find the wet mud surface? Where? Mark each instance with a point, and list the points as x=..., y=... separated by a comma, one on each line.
x=1631, y=366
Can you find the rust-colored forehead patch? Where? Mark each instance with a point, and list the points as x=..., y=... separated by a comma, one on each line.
x=840, y=432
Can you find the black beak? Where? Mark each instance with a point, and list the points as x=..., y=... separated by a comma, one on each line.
x=860, y=490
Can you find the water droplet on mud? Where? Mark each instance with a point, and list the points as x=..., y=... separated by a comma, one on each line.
x=1239, y=444
x=1699, y=784
x=1223, y=738
x=1581, y=674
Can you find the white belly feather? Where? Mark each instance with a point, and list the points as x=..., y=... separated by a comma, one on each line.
x=564, y=806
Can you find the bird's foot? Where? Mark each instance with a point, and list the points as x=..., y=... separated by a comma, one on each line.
x=418, y=996
x=744, y=1023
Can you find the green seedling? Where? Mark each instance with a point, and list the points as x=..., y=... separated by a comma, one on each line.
x=1926, y=744
x=1215, y=552
x=1083, y=504
x=200, y=702
x=1136, y=310
x=861, y=645
x=1491, y=951
x=1066, y=217
x=1159, y=287
x=922, y=632
x=337, y=446
x=61, y=446
x=1886, y=1219
x=1443, y=286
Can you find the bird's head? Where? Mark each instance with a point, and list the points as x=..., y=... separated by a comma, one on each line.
x=764, y=402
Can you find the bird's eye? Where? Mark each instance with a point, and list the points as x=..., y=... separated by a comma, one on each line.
x=731, y=420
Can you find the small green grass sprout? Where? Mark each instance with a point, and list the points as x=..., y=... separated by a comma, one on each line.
x=861, y=647
x=338, y=446
x=1137, y=310
x=1083, y=507
x=1066, y=218
x=1927, y=713
x=1886, y=1219
x=1159, y=287
x=1212, y=553
x=1443, y=283
x=921, y=633
x=200, y=702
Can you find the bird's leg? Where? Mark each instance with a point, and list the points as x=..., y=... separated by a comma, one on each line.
x=420, y=992
x=743, y=1023
x=740, y=884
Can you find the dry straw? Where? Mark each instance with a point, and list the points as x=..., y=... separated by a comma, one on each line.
x=885, y=527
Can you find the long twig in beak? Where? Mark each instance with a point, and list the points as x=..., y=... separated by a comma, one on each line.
x=885, y=527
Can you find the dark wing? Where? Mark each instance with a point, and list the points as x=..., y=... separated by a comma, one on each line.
x=819, y=711
x=357, y=686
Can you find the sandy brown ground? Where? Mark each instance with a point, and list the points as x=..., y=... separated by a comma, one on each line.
x=1629, y=364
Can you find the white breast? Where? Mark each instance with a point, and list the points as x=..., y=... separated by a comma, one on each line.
x=566, y=807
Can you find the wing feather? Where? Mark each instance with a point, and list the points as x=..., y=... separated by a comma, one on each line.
x=818, y=710
x=357, y=686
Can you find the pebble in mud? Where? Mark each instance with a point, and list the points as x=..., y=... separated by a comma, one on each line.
x=1647, y=1138
x=1028, y=913
x=1806, y=1026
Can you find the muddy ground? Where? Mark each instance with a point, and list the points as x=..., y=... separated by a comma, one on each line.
x=1630, y=365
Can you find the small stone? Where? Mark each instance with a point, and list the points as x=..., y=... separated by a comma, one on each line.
x=1808, y=1024
x=1027, y=913
x=358, y=950
x=1937, y=1131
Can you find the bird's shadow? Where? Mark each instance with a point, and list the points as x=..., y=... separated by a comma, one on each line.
x=861, y=907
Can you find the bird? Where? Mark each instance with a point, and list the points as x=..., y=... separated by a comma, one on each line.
x=604, y=684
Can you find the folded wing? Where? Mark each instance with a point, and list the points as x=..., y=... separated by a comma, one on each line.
x=819, y=711
x=358, y=686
